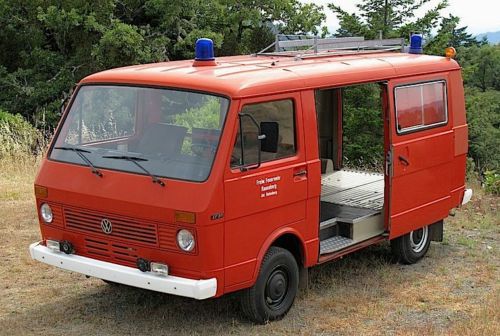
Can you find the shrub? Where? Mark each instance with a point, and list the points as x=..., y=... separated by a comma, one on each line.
x=483, y=116
x=492, y=182
x=17, y=136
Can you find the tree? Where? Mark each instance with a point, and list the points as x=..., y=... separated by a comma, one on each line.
x=392, y=18
x=450, y=35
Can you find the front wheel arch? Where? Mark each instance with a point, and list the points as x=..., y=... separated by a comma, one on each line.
x=279, y=238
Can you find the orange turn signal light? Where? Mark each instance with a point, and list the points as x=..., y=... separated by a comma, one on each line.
x=41, y=192
x=185, y=217
x=450, y=52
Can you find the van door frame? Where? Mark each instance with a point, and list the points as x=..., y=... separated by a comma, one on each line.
x=253, y=223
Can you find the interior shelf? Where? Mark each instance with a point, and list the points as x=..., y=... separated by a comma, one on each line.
x=354, y=189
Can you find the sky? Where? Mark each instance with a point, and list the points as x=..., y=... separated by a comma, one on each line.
x=481, y=16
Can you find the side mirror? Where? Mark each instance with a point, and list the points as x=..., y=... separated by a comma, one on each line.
x=269, y=143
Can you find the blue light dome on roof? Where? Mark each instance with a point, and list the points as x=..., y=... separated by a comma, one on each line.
x=416, y=44
x=204, y=50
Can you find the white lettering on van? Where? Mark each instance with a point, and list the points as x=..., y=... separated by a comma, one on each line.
x=268, y=186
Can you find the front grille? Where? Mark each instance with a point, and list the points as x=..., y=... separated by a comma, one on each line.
x=127, y=229
x=113, y=252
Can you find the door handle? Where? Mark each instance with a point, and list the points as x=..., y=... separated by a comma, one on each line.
x=302, y=172
x=404, y=160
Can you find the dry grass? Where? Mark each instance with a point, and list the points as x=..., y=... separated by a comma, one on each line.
x=453, y=291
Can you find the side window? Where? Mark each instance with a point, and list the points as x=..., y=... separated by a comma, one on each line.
x=420, y=106
x=247, y=145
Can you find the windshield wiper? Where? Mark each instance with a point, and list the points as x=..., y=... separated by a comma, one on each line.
x=80, y=152
x=135, y=160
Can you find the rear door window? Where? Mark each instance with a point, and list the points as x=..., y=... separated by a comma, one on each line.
x=420, y=106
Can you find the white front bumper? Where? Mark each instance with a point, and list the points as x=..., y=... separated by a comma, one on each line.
x=196, y=289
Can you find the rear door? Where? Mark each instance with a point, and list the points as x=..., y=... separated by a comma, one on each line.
x=260, y=200
x=421, y=153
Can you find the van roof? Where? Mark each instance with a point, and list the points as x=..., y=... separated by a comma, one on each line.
x=250, y=75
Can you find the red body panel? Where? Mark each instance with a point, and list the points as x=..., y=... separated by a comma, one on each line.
x=424, y=189
x=232, y=246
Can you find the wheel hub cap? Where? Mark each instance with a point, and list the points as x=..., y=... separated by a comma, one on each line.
x=276, y=288
x=418, y=239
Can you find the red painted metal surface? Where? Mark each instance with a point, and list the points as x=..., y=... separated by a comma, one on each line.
x=427, y=164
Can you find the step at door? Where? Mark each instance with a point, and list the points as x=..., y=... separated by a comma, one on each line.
x=335, y=243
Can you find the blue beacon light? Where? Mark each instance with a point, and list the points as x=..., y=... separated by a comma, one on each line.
x=416, y=44
x=204, y=50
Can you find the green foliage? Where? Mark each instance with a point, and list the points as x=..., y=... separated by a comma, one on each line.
x=483, y=116
x=492, y=182
x=471, y=173
x=363, y=127
x=17, y=136
x=206, y=115
x=126, y=44
x=481, y=66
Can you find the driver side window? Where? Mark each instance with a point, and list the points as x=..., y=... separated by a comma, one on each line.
x=247, y=145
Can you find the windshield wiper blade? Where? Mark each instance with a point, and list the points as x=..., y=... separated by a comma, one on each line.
x=80, y=152
x=135, y=160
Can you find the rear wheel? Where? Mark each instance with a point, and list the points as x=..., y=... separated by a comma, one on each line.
x=272, y=295
x=411, y=247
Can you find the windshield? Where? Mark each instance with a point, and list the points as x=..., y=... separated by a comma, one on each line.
x=174, y=133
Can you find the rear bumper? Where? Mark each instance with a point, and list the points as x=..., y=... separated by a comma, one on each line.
x=196, y=289
x=467, y=196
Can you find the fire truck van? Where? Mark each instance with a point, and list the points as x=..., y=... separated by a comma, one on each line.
x=215, y=175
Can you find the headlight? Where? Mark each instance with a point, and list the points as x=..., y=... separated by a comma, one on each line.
x=185, y=240
x=46, y=213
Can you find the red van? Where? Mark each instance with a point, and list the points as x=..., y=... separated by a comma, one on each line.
x=209, y=176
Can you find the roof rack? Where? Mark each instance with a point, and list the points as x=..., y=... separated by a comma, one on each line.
x=305, y=46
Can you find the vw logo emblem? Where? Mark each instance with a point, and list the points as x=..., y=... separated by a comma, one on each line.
x=106, y=226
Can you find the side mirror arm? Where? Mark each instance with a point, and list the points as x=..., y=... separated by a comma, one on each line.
x=260, y=137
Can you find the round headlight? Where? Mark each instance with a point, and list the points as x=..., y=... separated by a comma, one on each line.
x=46, y=213
x=185, y=240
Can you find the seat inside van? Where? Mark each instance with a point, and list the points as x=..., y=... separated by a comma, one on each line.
x=162, y=139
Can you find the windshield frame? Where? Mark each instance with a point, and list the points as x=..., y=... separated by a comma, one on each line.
x=62, y=122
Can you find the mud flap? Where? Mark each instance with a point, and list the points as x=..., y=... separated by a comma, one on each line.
x=436, y=231
x=304, y=280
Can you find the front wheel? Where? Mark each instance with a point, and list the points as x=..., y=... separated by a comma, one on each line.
x=272, y=295
x=411, y=247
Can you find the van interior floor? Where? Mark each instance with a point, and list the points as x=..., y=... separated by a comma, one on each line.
x=351, y=208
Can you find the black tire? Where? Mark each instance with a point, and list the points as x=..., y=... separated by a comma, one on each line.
x=273, y=294
x=411, y=247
